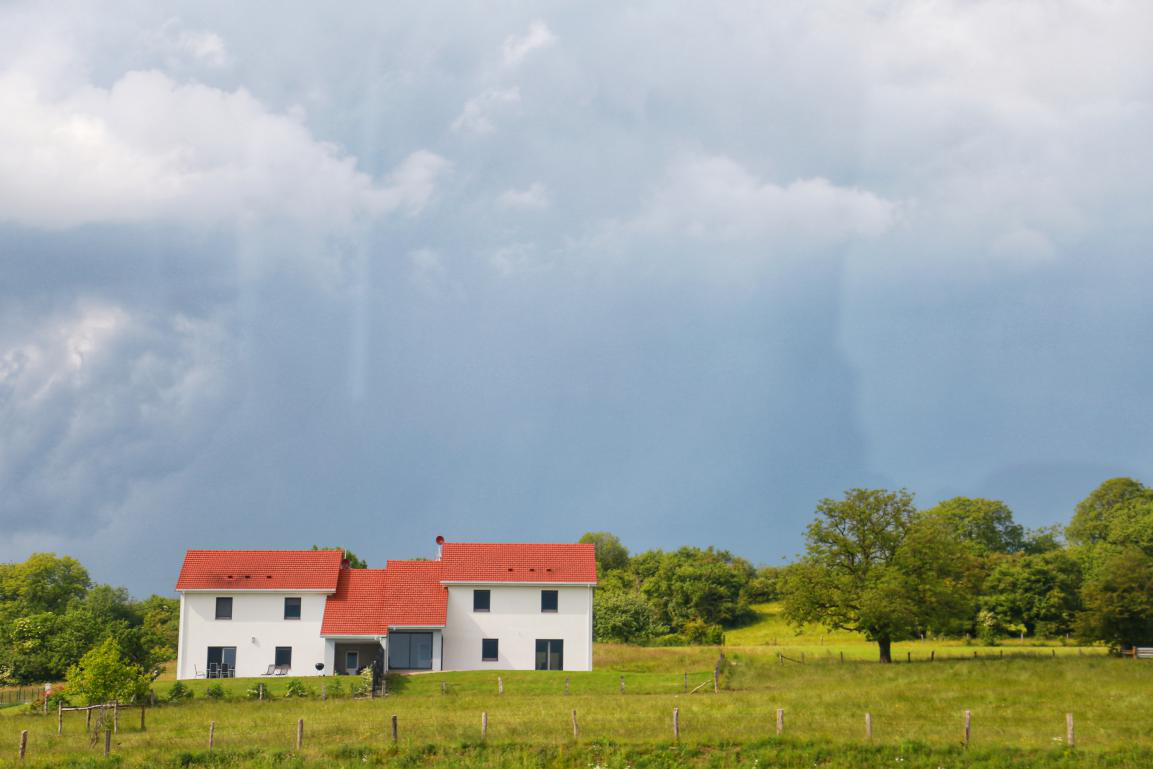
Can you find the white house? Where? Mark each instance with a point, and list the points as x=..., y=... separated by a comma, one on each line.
x=305, y=612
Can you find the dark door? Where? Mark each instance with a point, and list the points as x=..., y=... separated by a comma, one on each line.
x=550, y=654
x=221, y=661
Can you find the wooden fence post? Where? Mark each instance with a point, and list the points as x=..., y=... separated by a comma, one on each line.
x=88, y=719
x=116, y=718
x=968, y=723
x=842, y=656
x=500, y=685
x=395, y=735
x=908, y=656
x=443, y=686
x=484, y=724
x=260, y=692
x=686, y=680
x=299, y=734
x=142, y=728
x=323, y=691
x=60, y=719
x=676, y=723
x=1070, y=737
x=868, y=726
x=622, y=684
x=107, y=740
x=780, y=721
x=576, y=730
x=566, y=689
x=716, y=675
x=212, y=736
x=932, y=655
x=23, y=743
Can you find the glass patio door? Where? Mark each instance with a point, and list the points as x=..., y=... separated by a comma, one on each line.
x=221, y=661
x=549, y=654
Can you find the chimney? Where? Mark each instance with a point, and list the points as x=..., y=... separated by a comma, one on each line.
x=439, y=546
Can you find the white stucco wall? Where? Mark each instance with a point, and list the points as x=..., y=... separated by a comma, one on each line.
x=257, y=627
x=515, y=619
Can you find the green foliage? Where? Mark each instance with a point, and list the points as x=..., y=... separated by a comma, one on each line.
x=873, y=566
x=1038, y=592
x=296, y=688
x=1119, y=600
x=363, y=685
x=623, y=615
x=179, y=692
x=985, y=523
x=765, y=586
x=105, y=675
x=1093, y=519
x=610, y=553
x=214, y=692
x=333, y=687
x=353, y=561
x=694, y=584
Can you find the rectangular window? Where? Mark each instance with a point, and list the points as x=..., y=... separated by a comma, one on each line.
x=481, y=600
x=284, y=656
x=550, y=654
x=292, y=608
x=548, y=600
x=351, y=662
x=223, y=608
x=489, y=649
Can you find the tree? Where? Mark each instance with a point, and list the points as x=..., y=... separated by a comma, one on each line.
x=1119, y=600
x=1039, y=592
x=874, y=566
x=610, y=553
x=1094, y=516
x=986, y=523
x=353, y=561
x=44, y=582
x=104, y=675
x=693, y=584
x=623, y=616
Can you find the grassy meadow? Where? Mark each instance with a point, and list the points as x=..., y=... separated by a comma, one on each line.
x=1018, y=705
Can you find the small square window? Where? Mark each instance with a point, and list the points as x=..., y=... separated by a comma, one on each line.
x=292, y=608
x=284, y=656
x=481, y=600
x=548, y=600
x=223, y=608
x=489, y=649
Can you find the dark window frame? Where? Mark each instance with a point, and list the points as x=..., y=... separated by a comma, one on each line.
x=555, y=596
x=229, y=603
x=484, y=643
x=476, y=602
x=299, y=607
x=276, y=656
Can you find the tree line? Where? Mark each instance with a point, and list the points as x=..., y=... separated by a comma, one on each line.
x=876, y=564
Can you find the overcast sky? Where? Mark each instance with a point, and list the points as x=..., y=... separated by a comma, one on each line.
x=273, y=274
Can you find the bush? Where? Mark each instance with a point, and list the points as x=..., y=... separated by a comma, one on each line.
x=214, y=692
x=333, y=687
x=104, y=675
x=296, y=688
x=253, y=692
x=179, y=692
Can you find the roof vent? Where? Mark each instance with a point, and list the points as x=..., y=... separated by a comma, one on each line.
x=510, y=568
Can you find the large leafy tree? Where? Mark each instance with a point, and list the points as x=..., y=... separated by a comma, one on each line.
x=1119, y=600
x=1095, y=519
x=105, y=674
x=694, y=584
x=1039, y=592
x=985, y=523
x=610, y=553
x=873, y=565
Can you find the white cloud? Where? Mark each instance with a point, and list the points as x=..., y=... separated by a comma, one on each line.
x=477, y=115
x=97, y=399
x=176, y=42
x=148, y=148
x=532, y=198
x=517, y=47
x=712, y=198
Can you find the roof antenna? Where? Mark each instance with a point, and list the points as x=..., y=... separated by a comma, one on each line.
x=439, y=545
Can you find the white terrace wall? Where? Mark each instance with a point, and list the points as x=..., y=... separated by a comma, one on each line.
x=515, y=619
x=257, y=627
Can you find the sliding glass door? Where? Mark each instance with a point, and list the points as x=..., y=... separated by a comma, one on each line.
x=410, y=651
x=550, y=654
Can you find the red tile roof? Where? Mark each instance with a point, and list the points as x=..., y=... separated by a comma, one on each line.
x=369, y=601
x=260, y=570
x=496, y=562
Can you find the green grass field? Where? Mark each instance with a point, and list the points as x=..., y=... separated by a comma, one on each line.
x=1018, y=706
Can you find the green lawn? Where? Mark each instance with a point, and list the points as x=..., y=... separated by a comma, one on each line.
x=1018, y=703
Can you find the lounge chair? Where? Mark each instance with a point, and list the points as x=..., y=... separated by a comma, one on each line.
x=281, y=670
x=271, y=670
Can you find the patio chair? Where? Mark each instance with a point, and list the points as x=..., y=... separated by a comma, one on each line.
x=197, y=672
x=281, y=670
x=213, y=670
x=271, y=670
